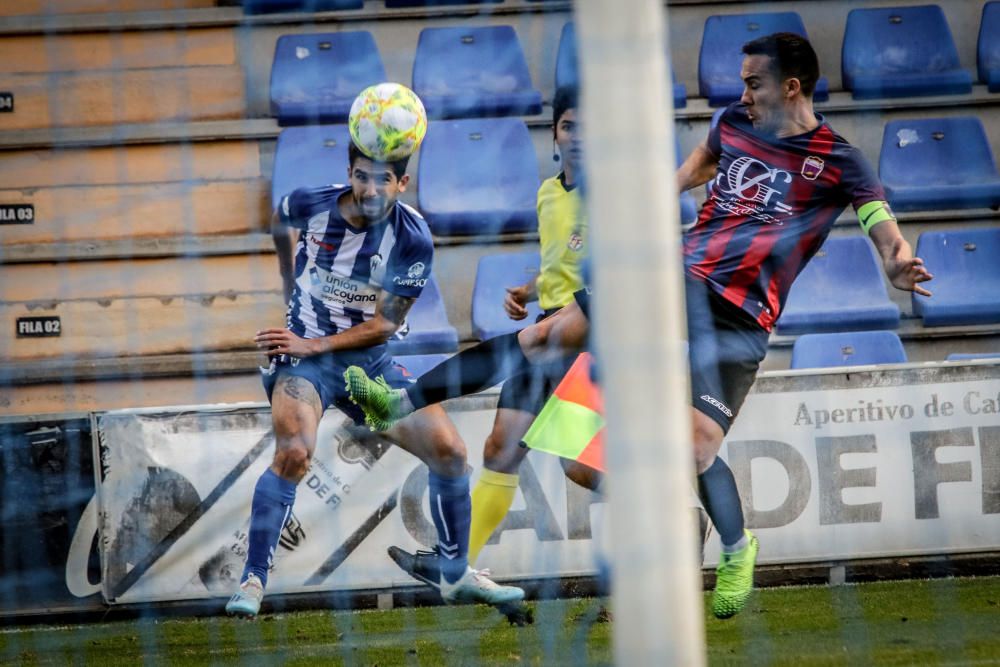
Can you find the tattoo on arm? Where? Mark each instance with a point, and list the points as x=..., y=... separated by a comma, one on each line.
x=394, y=308
x=300, y=389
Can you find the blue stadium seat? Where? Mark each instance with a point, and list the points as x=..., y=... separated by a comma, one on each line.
x=901, y=52
x=460, y=72
x=988, y=52
x=418, y=364
x=309, y=156
x=848, y=348
x=963, y=356
x=938, y=163
x=567, y=72
x=430, y=330
x=315, y=77
x=270, y=6
x=841, y=289
x=494, y=275
x=478, y=176
x=966, y=283
x=721, y=58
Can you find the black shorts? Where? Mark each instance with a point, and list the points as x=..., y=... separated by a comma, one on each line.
x=582, y=298
x=725, y=348
x=529, y=390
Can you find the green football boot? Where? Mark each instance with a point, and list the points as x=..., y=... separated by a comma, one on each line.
x=734, y=579
x=376, y=398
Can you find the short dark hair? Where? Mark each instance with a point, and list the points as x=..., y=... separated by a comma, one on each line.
x=565, y=98
x=398, y=166
x=792, y=56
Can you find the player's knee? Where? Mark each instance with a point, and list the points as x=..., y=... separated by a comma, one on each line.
x=500, y=454
x=533, y=339
x=581, y=474
x=292, y=460
x=448, y=457
x=708, y=437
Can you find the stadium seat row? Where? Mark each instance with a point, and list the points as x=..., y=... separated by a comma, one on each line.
x=859, y=348
x=482, y=71
x=927, y=164
x=494, y=191
x=841, y=289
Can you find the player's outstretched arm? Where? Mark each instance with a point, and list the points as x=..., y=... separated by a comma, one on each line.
x=905, y=271
x=389, y=316
x=698, y=168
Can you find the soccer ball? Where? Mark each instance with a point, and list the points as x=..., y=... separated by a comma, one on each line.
x=387, y=122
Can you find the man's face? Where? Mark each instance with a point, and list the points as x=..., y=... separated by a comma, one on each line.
x=568, y=138
x=763, y=94
x=374, y=187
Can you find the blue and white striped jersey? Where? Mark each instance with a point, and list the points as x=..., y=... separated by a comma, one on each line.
x=340, y=270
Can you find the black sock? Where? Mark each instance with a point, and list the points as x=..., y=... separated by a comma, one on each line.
x=718, y=493
x=469, y=371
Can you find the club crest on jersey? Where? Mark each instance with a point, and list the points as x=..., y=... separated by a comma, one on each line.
x=812, y=167
x=575, y=242
x=374, y=263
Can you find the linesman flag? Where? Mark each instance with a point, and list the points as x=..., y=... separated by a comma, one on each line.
x=571, y=424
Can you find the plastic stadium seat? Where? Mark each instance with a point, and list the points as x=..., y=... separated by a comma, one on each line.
x=309, y=156
x=963, y=356
x=315, y=77
x=567, y=71
x=966, y=283
x=988, y=52
x=463, y=71
x=418, y=364
x=841, y=289
x=478, y=176
x=901, y=52
x=938, y=163
x=494, y=275
x=849, y=348
x=267, y=6
x=430, y=330
x=721, y=58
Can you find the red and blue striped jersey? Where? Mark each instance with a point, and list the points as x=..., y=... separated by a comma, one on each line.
x=773, y=203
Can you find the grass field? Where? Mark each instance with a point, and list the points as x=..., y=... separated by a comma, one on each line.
x=931, y=622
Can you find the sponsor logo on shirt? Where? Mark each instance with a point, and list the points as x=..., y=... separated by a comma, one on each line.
x=322, y=244
x=414, y=276
x=345, y=291
x=750, y=182
x=711, y=400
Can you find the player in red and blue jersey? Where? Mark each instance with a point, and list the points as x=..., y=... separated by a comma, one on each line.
x=362, y=260
x=782, y=177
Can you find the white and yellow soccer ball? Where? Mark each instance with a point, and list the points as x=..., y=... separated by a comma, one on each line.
x=387, y=122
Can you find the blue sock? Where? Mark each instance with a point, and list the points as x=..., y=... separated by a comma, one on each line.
x=718, y=493
x=451, y=510
x=273, y=498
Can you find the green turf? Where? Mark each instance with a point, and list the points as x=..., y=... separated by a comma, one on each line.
x=935, y=622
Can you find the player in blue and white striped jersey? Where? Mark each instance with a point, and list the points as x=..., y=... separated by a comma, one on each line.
x=362, y=259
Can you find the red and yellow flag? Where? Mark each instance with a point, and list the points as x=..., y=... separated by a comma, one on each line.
x=571, y=424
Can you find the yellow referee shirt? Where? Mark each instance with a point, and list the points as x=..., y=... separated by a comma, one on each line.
x=562, y=232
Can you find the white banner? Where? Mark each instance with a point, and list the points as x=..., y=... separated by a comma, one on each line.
x=832, y=466
x=893, y=462
x=174, y=505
